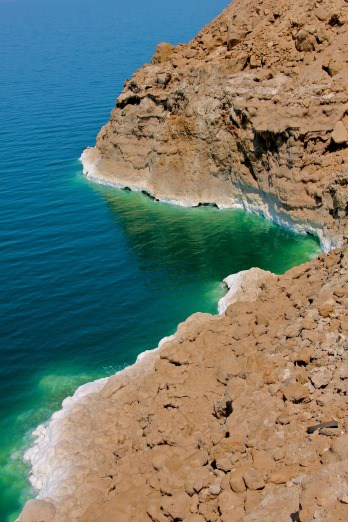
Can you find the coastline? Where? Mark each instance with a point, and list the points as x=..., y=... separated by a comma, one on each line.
x=46, y=474
x=234, y=395
x=261, y=208
x=70, y=449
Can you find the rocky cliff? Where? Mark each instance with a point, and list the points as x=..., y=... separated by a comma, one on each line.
x=241, y=416
x=251, y=113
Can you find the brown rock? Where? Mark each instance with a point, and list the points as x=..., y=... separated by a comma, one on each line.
x=176, y=506
x=254, y=479
x=236, y=480
x=339, y=134
x=38, y=511
x=163, y=52
x=283, y=475
x=305, y=41
x=320, y=377
x=295, y=392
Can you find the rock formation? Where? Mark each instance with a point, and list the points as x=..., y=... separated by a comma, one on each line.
x=241, y=416
x=213, y=426
x=251, y=113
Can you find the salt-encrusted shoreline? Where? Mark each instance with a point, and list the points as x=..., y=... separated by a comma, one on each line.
x=263, y=206
x=250, y=115
x=107, y=451
x=47, y=475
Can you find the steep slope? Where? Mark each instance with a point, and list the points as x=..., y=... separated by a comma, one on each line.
x=252, y=112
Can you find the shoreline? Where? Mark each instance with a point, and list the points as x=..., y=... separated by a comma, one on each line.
x=47, y=478
x=56, y=454
x=266, y=211
x=45, y=474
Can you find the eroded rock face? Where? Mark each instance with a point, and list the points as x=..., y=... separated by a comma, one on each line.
x=251, y=112
x=213, y=427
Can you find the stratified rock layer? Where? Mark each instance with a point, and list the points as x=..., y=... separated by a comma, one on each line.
x=214, y=425
x=252, y=112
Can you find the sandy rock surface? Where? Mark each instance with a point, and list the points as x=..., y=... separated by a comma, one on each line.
x=251, y=113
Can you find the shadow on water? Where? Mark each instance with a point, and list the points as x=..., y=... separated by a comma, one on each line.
x=205, y=242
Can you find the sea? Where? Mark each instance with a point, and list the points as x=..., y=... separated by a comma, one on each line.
x=92, y=276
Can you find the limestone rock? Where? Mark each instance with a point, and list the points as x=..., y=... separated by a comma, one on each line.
x=305, y=41
x=213, y=424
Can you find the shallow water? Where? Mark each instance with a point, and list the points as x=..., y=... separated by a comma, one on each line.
x=90, y=276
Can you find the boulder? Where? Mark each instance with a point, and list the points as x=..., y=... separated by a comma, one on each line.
x=163, y=52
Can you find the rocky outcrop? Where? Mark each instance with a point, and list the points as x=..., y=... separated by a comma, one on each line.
x=251, y=113
x=224, y=422
x=240, y=416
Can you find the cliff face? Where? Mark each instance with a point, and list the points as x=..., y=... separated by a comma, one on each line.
x=220, y=423
x=252, y=113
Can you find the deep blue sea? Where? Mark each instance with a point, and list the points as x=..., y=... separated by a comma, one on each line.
x=91, y=276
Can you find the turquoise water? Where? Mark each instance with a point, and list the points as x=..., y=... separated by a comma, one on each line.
x=91, y=276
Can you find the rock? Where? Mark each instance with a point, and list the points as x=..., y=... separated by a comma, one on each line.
x=181, y=433
x=164, y=78
x=254, y=479
x=305, y=41
x=320, y=377
x=38, y=511
x=176, y=506
x=255, y=61
x=321, y=35
x=321, y=13
x=334, y=65
x=235, y=35
x=229, y=505
x=163, y=52
x=339, y=134
x=304, y=355
x=295, y=392
x=236, y=480
x=223, y=407
x=281, y=476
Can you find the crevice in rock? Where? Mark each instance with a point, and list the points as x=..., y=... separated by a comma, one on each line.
x=131, y=100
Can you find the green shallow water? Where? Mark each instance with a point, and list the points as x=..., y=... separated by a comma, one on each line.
x=90, y=276
x=162, y=263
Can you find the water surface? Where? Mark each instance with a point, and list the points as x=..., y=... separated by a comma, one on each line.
x=90, y=276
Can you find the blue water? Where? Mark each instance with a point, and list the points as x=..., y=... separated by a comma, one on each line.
x=90, y=276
